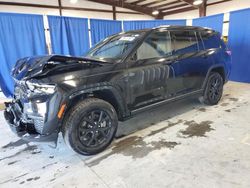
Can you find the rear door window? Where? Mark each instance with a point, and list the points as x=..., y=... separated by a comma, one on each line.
x=184, y=41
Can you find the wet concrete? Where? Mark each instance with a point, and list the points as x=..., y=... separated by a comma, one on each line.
x=196, y=129
x=202, y=109
x=17, y=143
x=169, y=124
x=225, y=104
x=134, y=147
x=28, y=148
x=233, y=99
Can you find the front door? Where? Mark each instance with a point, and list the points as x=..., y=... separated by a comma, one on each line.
x=149, y=70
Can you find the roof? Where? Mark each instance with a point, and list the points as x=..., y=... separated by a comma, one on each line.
x=179, y=27
x=175, y=27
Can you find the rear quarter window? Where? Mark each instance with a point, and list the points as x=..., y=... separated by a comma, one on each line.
x=212, y=40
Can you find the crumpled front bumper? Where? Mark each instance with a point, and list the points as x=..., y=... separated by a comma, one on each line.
x=24, y=129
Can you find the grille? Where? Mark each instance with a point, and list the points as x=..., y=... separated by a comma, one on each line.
x=38, y=125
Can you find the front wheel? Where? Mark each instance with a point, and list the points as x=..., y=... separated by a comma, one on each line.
x=214, y=89
x=90, y=126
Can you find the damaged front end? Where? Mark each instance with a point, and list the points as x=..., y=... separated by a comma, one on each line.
x=32, y=114
x=38, y=99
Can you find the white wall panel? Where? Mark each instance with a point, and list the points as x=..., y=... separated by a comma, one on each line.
x=88, y=14
x=86, y=4
x=28, y=10
x=121, y=16
x=184, y=15
x=42, y=2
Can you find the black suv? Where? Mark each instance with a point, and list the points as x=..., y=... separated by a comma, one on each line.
x=84, y=97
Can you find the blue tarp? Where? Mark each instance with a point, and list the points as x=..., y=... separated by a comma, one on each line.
x=100, y=29
x=69, y=36
x=143, y=24
x=239, y=43
x=215, y=22
x=21, y=35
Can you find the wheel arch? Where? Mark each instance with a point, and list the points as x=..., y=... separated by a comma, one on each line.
x=221, y=71
x=106, y=93
x=216, y=68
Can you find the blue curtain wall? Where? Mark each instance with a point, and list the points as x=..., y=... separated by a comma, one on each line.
x=21, y=35
x=69, y=36
x=239, y=43
x=100, y=29
x=215, y=22
x=144, y=24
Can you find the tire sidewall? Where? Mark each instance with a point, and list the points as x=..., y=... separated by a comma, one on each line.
x=207, y=99
x=74, y=120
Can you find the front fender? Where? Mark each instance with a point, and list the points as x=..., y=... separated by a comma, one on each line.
x=91, y=90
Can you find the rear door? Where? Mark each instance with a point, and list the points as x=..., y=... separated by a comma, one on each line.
x=191, y=62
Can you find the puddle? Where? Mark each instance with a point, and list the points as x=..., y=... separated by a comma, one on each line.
x=196, y=129
x=17, y=143
x=35, y=178
x=170, y=124
x=32, y=149
x=233, y=99
x=13, y=162
x=135, y=147
x=224, y=104
x=202, y=109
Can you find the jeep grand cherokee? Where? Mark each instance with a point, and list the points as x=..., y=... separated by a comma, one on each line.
x=84, y=97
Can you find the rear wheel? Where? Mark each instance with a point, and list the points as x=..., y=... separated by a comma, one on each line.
x=214, y=89
x=90, y=126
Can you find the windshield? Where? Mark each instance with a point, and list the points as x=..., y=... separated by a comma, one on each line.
x=114, y=47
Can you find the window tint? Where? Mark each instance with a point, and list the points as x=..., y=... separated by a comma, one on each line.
x=211, y=39
x=115, y=47
x=157, y=44
x=184, y=41
x=199, y=41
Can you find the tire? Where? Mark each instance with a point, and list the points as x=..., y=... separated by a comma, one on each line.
x=214, y=89
x=90, y=126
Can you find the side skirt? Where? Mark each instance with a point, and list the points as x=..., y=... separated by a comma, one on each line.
x=136, y=111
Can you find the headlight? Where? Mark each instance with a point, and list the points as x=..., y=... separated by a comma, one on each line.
x=41, y=88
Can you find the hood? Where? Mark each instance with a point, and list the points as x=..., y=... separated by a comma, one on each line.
x=34, y=66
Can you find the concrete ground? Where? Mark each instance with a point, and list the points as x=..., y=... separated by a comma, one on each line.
x=183, y=144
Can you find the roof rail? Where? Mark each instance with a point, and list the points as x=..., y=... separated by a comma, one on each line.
x=161, y=26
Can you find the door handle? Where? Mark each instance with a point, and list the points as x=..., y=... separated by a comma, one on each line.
x=168, y=62
x=205, y=56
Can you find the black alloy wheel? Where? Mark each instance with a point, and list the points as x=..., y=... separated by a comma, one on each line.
x=95, y=128
x=214, y=89
x=90, y=126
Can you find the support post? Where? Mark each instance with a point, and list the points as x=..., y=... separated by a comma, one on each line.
x=114, y=12
x=60, y=7
x=203, y=9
